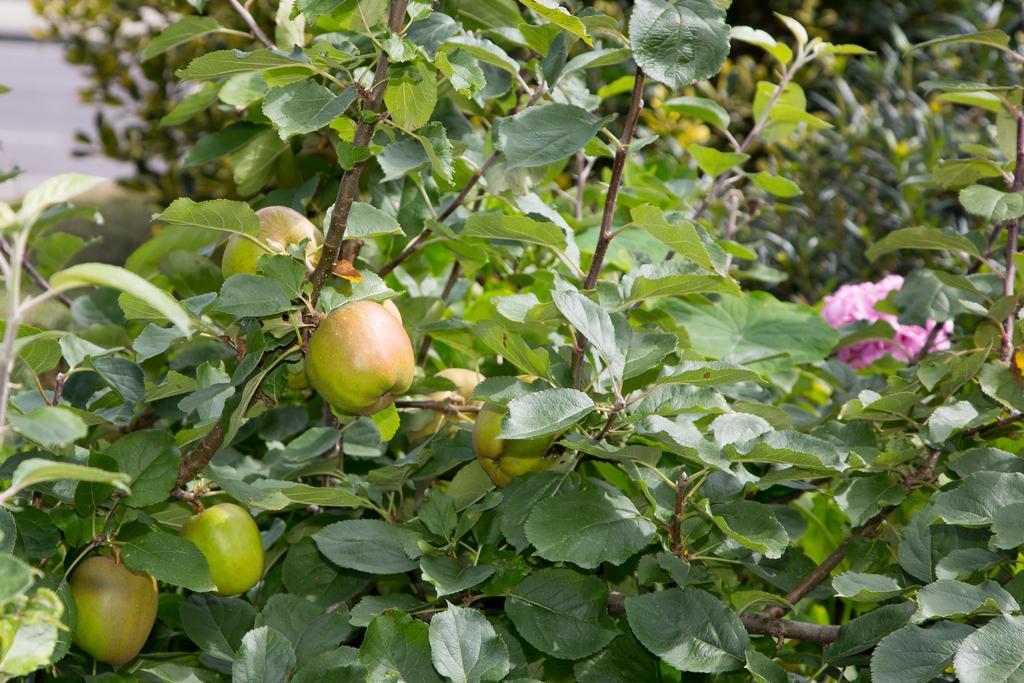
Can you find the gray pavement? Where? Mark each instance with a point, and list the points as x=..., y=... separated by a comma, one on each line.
x=42, y=111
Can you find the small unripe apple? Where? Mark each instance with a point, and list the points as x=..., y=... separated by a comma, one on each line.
x=279, y=227
x=116, y=609
x=465, y=382
x=504, y=459
x=228, y=537
x=360, y=358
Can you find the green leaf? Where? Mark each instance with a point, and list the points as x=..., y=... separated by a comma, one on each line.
x=978, y=498
x=150, y=459
x=178, y=33
x=559, y=16
x=991, y=203
x=993, y=38
x=947, y=419
x=587, y=528
x=170, y=559
x=191, y=105
x=624, y=661
x=36, y=470
x=369, y=545
x=465, y=647
x=265, y=656
x=682, y=237
x=305, y=107
x=543, y=134
x=523, y=494
x=518, y=228
x=594, y=323
x=679, y=42
x=713, y=162
x=562, y=613
x=366, y=220
x=777, y=185
x=701, y=108
x=957, y=173
x=449, y=577
x=545, y=412
x=949, y=598
x=861, y=587
x=764, y=670
x=755, y=326
x=752, y=525
x=396, y=647
x=55, y=190
x=689, y=629
x=252, y=296
x=864, y=632
x=763, y=40
x=673, y=279
x=105, y=275
x=217, y=625
x=311, y=629
x=791, y=448
x=917, y=655
x=992, y=654
x=922, y=238
x=410, y=97
x=219, y=63
x=51, y=427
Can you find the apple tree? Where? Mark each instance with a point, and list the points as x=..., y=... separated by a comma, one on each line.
x=475, y=378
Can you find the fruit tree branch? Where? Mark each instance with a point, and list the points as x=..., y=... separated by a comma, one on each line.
x=251, y=23
x=611, y=199
x=348, y=189
x=200, y=456
x=758, y=624
x=33, y=273
x=1009, y=280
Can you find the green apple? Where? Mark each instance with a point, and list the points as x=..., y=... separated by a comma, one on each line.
x=228, y=537
x=504, y=459
x=360, y=358
x=279, y=227
x=116, y=609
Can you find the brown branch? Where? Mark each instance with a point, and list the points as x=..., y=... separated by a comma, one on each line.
x=676, y=532
x=759, y=624
x=606, y=235
x=348, y=189
x=447, y=406
x=200, y=456
x=453, y=278
x=1010, y=279
x=37, y=277
x=251, y=23
x=975, y=431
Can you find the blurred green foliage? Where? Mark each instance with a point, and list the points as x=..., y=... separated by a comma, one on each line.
x=887, y=135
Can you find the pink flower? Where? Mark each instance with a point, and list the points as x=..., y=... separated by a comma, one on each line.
x=852, y=303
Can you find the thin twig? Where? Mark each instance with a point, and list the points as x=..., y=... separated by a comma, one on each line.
x=606, y=235
x=33, y=273
x=348, y=189
x=929, y=342
x=1010, y=278
x=723, y=180
x=251, y=23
